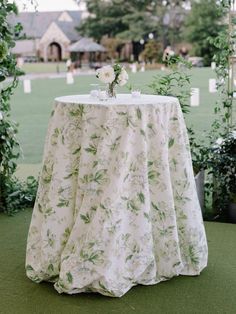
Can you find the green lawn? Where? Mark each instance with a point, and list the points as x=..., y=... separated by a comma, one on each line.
x=213, y=292
x=44, y=67
x=32, y=111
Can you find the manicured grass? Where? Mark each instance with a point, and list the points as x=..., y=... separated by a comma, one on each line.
x=44, y=67
x=213, y=292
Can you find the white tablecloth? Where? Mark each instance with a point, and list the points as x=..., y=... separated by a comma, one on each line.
x=117, y=203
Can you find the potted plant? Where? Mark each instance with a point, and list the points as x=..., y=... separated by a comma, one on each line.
x=222, y=164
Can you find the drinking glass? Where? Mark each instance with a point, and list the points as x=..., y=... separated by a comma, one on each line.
x=136, y=91
x=94, y=90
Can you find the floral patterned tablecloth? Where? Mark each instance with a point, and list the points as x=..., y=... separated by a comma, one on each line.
x=117, y=203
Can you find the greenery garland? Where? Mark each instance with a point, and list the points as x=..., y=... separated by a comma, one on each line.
x=222, y=152
x=13, y=193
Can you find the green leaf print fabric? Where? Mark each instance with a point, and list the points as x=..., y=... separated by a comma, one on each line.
x=117, y=203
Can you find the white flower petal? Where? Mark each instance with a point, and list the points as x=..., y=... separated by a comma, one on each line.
x=106, y=74
x=123, y=75
x=219, y=141
x=122, y=82
x=234, y=134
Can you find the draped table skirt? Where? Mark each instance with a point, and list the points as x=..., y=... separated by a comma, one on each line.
x=117, y=203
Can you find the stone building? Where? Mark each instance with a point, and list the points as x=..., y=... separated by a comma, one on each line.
x=47, y=35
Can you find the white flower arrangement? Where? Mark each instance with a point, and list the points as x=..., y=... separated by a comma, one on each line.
x=112, y=75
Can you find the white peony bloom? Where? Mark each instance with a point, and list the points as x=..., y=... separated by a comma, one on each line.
x=219, y=141
x=106, y=74
x=1, y=116
x=123, y=77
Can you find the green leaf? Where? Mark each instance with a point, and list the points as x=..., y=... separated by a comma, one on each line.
x=50, y=268
x=63, y=203
x=141, y=197
x=154, y=206
x=152, y=174
x=171, y=142
x=176, y=264
x=69, y=277
x=77, y=151
x=102, y=286
x=91, y=149
x=66, y=232
x=95, y=163
x=29, y=268
x=131, y=204
x=86, y=218
x=128, y=258
x=94, y=136
x=146, y=216
x=139, y=114
x=69, y=175
x=142, y=132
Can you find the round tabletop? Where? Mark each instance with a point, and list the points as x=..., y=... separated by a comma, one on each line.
x=121, y=99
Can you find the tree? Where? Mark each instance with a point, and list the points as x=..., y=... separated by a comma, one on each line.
x=128, y=19
x=152, y=52
x=203, y=22
x=134, y=19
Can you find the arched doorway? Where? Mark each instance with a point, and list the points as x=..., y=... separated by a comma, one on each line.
x=54, y=52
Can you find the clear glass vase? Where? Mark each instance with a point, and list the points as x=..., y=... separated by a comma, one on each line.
x=111, y=90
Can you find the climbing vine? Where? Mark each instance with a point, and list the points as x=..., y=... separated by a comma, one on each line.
x=222, y=152
x=9, y=146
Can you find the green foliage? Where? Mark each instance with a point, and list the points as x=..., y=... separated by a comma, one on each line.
x=20, y=195
x=152, y=52
x=220, y=160
x=9, y=146
x=204, y=21
x=3, y=50
x=134, y=19
x=222, y=153
x=222, y=164
x=105, y=19
x=224, y=44
x=175, y=83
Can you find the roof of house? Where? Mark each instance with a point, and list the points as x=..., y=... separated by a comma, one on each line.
x=69, y=30
x=35, y=24
x=24, y=47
